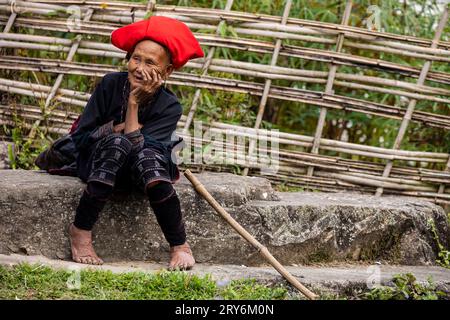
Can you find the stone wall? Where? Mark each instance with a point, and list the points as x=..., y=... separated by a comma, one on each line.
x=298, y=228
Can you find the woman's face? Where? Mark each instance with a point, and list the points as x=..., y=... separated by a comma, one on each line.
x=148, y=55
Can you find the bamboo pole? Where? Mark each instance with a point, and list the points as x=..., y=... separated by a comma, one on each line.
x=247, y=236
x=315, y=30
x=293, y=154
x=267, y=71
x=300, y=140
x=38, y=87
x=441, y=189
x=412, y=103
x=8, y=26
x=401, y=52
x=69, y=58
x=205, y=68
x=292, y=94
x=329, y=86
x=215, y=15
x=271, y=72
x=378, y=64
x=268, y=82
x=60, y=77
x=41, y=95
x=291, y=138
x=291, y=176
x=269, y=24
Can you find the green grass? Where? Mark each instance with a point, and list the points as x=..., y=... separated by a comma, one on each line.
x=37, y=282
x=26, y=281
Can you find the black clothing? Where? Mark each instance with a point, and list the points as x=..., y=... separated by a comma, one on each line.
x=108, y=156
x=107, y=161
x=60, y=158
x=168, y=213
x=107, y=107
x=91, y=205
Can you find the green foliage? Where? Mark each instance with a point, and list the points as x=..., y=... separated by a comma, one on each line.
x=26, y=281
x=224, y=106
x=25, y=150
x=405, y=288
x=284, y=187
x=443, y=254
x=148, y=15
x=415, y=18
x=252, y=290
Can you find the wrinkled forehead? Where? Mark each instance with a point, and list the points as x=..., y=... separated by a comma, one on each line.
x=151, y=50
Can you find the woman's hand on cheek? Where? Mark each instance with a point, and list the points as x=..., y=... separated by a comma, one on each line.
x=152, y=81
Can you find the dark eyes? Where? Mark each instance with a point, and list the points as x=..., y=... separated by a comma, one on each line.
x=149, y=62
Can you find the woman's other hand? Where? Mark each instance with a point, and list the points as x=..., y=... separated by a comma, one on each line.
x=118, y=128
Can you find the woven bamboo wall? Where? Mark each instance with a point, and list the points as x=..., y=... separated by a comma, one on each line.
x=303, y=159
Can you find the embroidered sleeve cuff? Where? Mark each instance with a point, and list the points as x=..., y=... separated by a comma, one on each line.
x=136, y=138
x=103, y=130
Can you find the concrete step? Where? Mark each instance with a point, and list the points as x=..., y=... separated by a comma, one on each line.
x=344, y=280
x=298, y=228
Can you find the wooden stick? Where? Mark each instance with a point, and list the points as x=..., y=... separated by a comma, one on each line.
x=198, y=186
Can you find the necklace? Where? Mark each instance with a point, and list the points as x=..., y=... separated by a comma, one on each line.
x=125, y=95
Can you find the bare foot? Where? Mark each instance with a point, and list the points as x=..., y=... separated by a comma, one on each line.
x=181, y=257
x=81, y=244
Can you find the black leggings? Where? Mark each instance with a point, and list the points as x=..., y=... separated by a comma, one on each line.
x=163, y=200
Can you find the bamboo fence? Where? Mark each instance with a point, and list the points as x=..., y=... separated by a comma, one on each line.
x=311, y=162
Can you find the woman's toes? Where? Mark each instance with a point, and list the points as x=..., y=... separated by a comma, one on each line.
x=82, y=260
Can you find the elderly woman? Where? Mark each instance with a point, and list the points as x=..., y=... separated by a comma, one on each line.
x=125, y=134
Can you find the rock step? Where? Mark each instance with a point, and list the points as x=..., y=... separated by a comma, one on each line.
x=339, y=280
x=298, y=228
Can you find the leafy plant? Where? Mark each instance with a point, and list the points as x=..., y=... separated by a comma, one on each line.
x=443, y=254
x=405, y=287
x=25, y=150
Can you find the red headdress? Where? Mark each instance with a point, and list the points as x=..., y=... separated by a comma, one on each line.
x=171, y=33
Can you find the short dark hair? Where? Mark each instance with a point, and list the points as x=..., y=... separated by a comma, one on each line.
x=169, y=55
